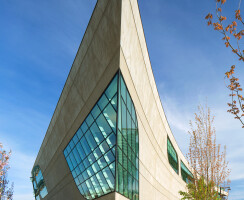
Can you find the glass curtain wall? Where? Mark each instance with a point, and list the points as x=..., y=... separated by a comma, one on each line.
x=127, y=176
x=40, y=189
x=185, y=173
x=110, y=129
x=91, y=152
x=172, y=156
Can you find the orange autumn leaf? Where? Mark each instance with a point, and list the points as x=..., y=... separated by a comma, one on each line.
x=209, y=16
x=222, y=18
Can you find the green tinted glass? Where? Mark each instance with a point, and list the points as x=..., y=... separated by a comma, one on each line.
x=91, y=152
x=172, y=156
x=103, y=155
x=128, y=145
x=185, y=173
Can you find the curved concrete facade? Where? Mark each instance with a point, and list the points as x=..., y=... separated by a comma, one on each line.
x=114, y=40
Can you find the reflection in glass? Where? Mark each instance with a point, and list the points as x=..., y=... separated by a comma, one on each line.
x=40, y=189
x=185, y=173
x=91, y=154
x=172, y=156
x=128, y=146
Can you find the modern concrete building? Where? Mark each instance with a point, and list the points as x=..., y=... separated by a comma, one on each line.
x=109, y=137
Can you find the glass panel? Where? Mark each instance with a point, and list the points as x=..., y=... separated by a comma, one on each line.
x=75, y=139
x=71, y=144
x=96, y=133
x=97, y=153
x=82, y=167
x=40, y=189
x=85, y=146
x=86, y=163
x=84, y=127
x=91, y=159
x=185, y=173
x=81, y=189
x=112, y=88
x=76, y=155
x=103, y=102
x=123, y=117
x=103, y=182
x=130, y=186
x=109, y=177
x=104, y=147
x=120, y=155
x=112, y=168
x=125, y=174
x=124, y=146
x=110, y=116
x=121, y=180
x=95, y=111
x=90, y=139
x=95, y=167
x=114, y=102
x=102, y=163
x=123, y=89
x=89, y=120
x=104, y=126
x=128, y=146
x=80, y=151
x=172, y=156
x=111, y=140
x=72, y=158
x=119, y=139
x=109, y=157
x=79, y=133
x=86, y=191
x=68, y=149
x=69, y=163
x=128, y=101
x=97, y=186
x=43, y=192
x=90, y=171
x=80, y=177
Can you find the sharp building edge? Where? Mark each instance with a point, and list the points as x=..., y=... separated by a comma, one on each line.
x=114, y=43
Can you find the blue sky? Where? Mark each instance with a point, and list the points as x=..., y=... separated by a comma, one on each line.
x=38, y=43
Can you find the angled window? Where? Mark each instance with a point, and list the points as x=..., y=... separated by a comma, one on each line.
x=185, y=173
x=172, y=156
x=92, y=151
x=127, y=174
x=40, y=189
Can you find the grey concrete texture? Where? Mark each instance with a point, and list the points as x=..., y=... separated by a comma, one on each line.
x=114, y=40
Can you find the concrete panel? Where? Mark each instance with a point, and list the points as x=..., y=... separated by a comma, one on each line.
x=110, y=196
x=96, y=63
x=144, y=51
x=159, y=180
x=120, y=197
x=114, y=40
